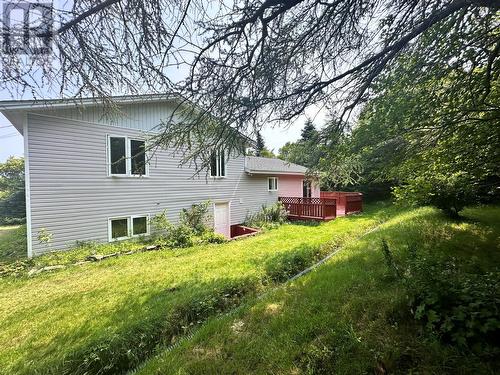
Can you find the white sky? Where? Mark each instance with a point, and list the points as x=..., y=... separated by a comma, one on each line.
x=11, y=142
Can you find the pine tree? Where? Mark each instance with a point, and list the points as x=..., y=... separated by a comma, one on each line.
x=309, y=132
x=260, y=145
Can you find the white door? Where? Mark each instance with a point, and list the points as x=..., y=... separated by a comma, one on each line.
x=221, y=219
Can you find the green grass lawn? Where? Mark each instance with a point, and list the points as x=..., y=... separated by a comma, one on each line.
x=12, y=242
x=108, y=317
x=348, y=316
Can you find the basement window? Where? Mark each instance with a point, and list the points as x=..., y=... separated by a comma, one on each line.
x=122, y=228
x=272, y=183
x=118, y=228
x=139, y=225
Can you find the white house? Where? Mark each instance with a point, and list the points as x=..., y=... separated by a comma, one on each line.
x=86, y=177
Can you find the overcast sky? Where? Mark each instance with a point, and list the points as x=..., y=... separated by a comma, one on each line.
x=11, y=142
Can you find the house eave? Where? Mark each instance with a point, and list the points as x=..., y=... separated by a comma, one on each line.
x=8, y=105
x=263, y=172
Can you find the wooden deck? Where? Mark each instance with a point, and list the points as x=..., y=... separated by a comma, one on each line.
x=347, y=202
x=323, y=209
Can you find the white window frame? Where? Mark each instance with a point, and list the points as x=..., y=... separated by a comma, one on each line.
x=218, y=156
x=132, y=226
x=128, y=156
x=110, y=230
x=275, y=179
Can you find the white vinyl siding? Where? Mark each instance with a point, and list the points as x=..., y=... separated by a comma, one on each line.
x=74, y=200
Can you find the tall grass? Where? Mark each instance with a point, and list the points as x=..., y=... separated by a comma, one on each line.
x=12, y=242
x=349, y=316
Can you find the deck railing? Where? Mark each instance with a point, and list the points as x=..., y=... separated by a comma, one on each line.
x=310, y=208
x=347, y=202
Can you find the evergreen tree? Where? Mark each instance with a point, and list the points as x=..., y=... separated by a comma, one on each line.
x=260, y=145
x=309, y=132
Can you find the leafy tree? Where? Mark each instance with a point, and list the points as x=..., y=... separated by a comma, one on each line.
x=12, y=196
x=448, y=192
x=265, y=153
x=434, y=133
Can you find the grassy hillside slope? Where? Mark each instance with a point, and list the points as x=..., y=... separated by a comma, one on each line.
x=107, y=317
x=350, y=316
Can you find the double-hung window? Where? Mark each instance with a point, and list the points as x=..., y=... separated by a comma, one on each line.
x=126, y=157
x=217, y=164
x=121, y=228
x=272, y=183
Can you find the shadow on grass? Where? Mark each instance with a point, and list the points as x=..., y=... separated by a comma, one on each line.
x=145, y=324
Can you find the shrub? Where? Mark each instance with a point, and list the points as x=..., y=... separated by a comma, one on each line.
x=196, y=217
x=450, y=193
x=210, y=236
x=191, y=223
x=460, y=307
x=180, y=236
x=12, y=220
x=161, y=225
x=274, y=214
x=44, y=237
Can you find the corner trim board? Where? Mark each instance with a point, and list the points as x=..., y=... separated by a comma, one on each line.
x=29, y=240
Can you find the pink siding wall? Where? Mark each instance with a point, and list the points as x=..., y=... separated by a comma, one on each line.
x=291, y=186
x=315, y=190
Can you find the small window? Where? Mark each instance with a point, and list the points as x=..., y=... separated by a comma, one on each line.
x=118, y=155
x=272, y=183
x=137, y=157
x=306, y=189
x=127, y=157
x=119, y=228
x=217, y=164
x=139, y=226
x=213, y=165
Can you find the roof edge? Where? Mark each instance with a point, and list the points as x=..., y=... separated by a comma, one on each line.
x=264, y=172
x=6, y=105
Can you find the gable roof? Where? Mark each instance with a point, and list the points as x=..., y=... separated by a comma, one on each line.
x=14, y=110
x=259, y=165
